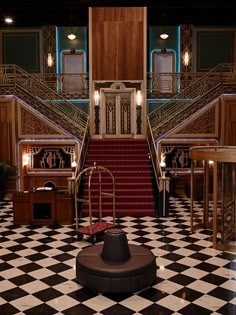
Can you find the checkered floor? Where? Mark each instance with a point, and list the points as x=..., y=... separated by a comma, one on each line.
x=37, y=269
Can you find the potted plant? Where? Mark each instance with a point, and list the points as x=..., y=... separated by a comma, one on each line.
x=6, y=169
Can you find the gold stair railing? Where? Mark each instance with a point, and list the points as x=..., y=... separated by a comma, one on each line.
x=67, y=85
x=197, y=96
x=42, y=100
x=166, y=85
x=154, y=156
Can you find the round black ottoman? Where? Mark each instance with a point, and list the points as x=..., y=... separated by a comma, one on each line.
x=115, y=266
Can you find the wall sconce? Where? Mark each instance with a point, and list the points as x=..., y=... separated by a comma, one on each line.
x=139, y=112
x=163, y=164
x=73, y=166
x=50, y=60
x=96, y=112
x=139, y=98
x=71, y=36
x=186, y=58
x=164, y=36
x=25, y=159
x=96, y=98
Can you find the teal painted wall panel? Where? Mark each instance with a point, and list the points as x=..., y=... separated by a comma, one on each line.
x=213, y=48
x=22, y=49
x=83, y=105
x=171, y=43
x=65, y=44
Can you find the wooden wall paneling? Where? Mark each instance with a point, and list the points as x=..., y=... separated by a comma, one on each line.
x=105, y=47
x=110, y=51
x=225, y=123
x=118, y=13
x=221, y=120
x=231, y=122
x=117, y=43
x=1, y=62
x=97, y=52
x=228, y=130
x=130, y=51
x=7, y=134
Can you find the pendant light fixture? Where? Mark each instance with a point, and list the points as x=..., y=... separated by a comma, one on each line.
x=164, y=36
x=71, y=36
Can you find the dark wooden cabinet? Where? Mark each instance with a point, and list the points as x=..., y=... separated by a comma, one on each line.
x=21, y=210
x=43, y=208
x=65, y=208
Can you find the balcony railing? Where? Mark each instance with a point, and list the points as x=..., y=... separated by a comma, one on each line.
x=68, y=86
x=159, y=85
x=165, y=85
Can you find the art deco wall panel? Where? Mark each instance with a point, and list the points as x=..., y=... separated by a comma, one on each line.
x=117, y=40
x=204, y=125
x=34, y=127
x=7, y=133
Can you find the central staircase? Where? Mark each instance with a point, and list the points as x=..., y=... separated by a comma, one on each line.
x=129, y=163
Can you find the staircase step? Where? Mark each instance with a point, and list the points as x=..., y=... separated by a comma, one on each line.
x=123, y=180
x=114, y=150
x=124, y=173
x=118, y=155
x=118, y=141
x=118, y=163
x=123, y=192
x=126, y=168
x=121, y=199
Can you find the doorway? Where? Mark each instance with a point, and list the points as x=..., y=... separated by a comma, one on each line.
x=117, y=114
x=72, y=65
x=163, y=66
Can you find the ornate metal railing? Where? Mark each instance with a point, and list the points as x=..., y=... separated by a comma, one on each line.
x=174, y=113
x=68, y=86
x=165, y=85
x=76, y=85
x=43, y=100
x=153, y=154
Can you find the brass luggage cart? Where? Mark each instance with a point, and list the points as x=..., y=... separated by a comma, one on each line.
x=96, y=225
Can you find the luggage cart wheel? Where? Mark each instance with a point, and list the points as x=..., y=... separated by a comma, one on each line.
x=80, y=237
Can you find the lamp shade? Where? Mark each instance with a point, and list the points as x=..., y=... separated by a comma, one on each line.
x=164, y=36
x=71, y=36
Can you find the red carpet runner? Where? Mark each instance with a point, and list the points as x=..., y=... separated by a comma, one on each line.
x=128, y=161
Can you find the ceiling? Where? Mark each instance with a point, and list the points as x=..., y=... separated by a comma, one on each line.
x=29, y=13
